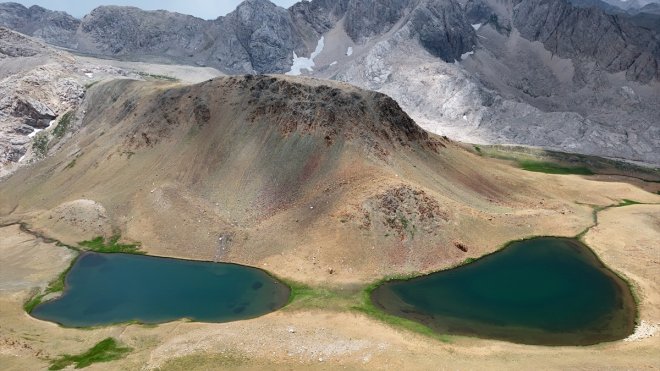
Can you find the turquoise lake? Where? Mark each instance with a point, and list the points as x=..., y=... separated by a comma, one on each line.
x=549, y=291
x=104, y=289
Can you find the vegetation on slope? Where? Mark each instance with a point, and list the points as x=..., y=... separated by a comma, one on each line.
x=554, y=162
x=553, y=168
x=63, y=125
x=40, y=144
x=105, y=351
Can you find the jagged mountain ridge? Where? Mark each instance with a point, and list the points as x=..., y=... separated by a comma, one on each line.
x=611, y=41
x=566, y=95
x=55, y=27
x=258, y=37
x=264, y=44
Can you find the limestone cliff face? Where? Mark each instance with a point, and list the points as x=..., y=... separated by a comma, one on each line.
x=36, y=86
x=257, y=37
x=536, y=72
x=267, y=33
x=612, y=41
x=115, y=30
x=439, y=26
x=442, y=29
x=57, y=28
x=261, y=37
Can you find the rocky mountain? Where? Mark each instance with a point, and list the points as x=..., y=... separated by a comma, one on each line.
x=36, y=86
x=611, y=41
x=57, y=28
x=646, y=16
x=257, y=37
x=631, y=5
x=533, y=72
x=39, y=85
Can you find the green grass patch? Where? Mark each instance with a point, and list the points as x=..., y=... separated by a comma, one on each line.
x=352, y=299
x=367, y=307
x=157, y=77
x=305, y=296
x=553, y=168
x=57, y=285
x=111, y=245
x=63, y=125
x=206, y=361
x=32, y=303
x=105, y=351
x=627, y=202
x=40, y=144
x=478, y=149
x=89, y=85
x=70, y=165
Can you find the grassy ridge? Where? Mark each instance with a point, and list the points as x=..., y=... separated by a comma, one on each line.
x=104, y=351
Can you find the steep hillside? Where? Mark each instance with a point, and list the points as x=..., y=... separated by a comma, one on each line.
x=309, y=178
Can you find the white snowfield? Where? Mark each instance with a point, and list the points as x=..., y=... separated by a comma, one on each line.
x=303, y=63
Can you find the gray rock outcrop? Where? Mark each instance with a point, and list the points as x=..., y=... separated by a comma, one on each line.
x=54, y=27
x=612, y=41
x=34, y=113
x=534, y=72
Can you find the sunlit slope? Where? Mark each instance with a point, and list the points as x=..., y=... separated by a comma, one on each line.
x=311, y=179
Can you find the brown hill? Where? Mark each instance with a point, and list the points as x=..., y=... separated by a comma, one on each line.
x=313, y=180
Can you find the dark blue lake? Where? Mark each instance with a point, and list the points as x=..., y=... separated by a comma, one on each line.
x=550, y=291
x=104, y=289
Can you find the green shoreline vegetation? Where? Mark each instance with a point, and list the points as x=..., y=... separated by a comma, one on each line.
x=110, y=245
x=98, y=244
x=55, y=286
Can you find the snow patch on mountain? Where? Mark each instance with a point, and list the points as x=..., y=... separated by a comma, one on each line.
x=465, y=55
x=303, y=63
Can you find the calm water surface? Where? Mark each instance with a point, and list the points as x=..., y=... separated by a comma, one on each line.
x=551, y=291
x=111, y=288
